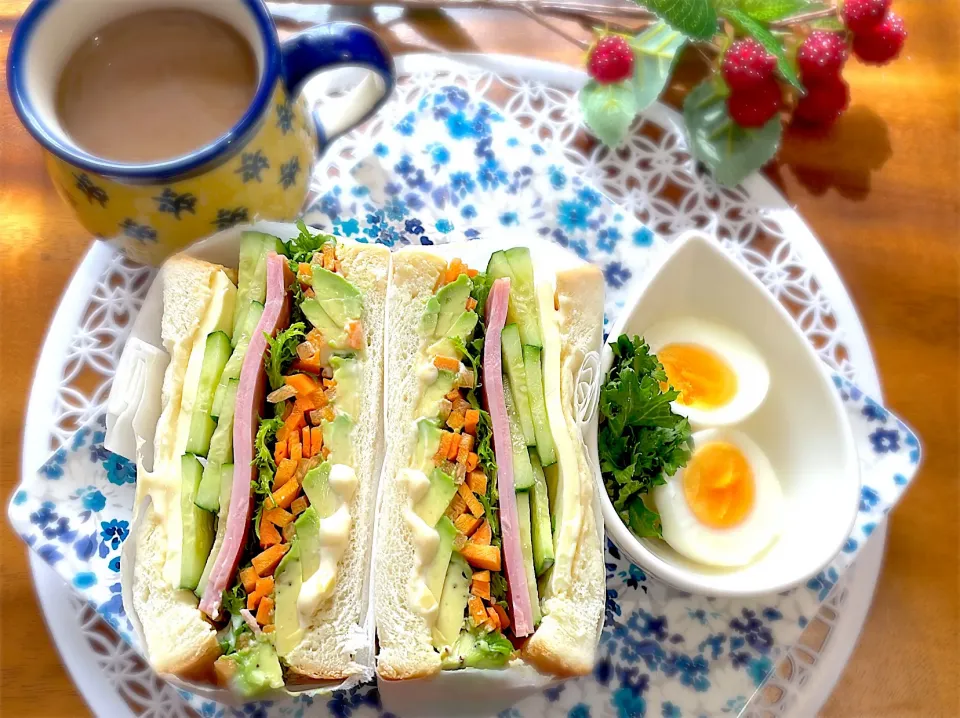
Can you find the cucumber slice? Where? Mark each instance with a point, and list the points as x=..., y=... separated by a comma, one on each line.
x=235, y=362
x=522, y=311
x=522, y=470
x=252, y=274
x=216, y=352
x=513, y=358
x=543, y=553
x=221, y=452
x=538, y=406
x=226, y=485
x=526, y=550
x=197, y=525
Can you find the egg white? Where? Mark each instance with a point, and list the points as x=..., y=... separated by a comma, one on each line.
x=734, y=546
x=743, y=358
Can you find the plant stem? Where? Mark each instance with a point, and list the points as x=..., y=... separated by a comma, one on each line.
x=803, y=17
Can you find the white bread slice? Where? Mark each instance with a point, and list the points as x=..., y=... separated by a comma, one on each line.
x=406, y=647
x=328, y=644
x=565, y=642
x=179, y=640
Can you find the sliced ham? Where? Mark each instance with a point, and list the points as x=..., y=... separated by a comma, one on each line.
x=250, y=397
x=496, y=310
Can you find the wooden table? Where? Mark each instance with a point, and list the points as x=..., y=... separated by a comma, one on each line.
x=881, y=193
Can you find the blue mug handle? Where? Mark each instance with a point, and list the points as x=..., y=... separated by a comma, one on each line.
x=334, y=45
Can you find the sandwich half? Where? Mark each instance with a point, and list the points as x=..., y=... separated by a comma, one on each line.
x=251, y=555
x=488, y=551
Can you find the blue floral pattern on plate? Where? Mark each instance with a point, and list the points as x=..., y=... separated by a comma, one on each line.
x=456, y=169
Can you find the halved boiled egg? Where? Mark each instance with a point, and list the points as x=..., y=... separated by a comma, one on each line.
x=725, y=506
x=721, y=376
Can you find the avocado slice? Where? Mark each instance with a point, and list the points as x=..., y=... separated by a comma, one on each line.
x=453, y=602
x=434, y=393
x=257, y=669
x=438, y=497
x=334, y=333
x=526, y=550
x=346, y=372
x=232, y=368
x=197, y=524
x=461, y=329
x=336, y=437
x=216, y=352
x=543, y=552
x=452, y=299
x=428, y=322
x=316, y=485
x=221, y=452
x=516, y=264
x=252, y=274
x=522, y=470
x=512, y=352
x=287, y=582
x=342, y=310
x=329, y=285
x=225, y=474
x=428, y=442
x=308, y=534
x=538, y=405
x=437, y=570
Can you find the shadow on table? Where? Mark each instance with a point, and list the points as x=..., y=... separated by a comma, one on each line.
x=842, y=157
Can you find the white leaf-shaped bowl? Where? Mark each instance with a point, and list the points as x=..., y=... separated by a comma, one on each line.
x=801, y=426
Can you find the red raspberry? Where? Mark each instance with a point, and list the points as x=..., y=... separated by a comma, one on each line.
x=824, y=102
x=754, y=107
x=881, y=44
x=861, y=15
x=611, y=60
x=821, y=56
x=746, y=65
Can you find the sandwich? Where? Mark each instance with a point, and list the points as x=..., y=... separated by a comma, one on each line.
x=254, y=525
x=488, y=554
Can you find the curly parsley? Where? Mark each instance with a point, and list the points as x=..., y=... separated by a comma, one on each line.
x=640, y=437
x=281, y=350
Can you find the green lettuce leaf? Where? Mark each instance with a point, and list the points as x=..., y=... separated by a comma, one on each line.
x=281, y=351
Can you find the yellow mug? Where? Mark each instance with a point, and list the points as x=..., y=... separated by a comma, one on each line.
x=259, y=169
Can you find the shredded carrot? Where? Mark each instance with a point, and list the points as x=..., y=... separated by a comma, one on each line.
x=453, y=270
x=355, y=335
x=480, y=589
x=305, y=403
x=482, y=535
x=466, y=444
x=329, y=257
x=299, y=505
x=285, y=495
x=472, y=461
x=456, y=508
x=452, y=395
x=301, y=383
x=477, y=611
x=471, y=303
x=305, y=443
x=304, y=272
x=277, y=516
x=455, y=420
x=453, y=447
x=480, y=556
x=477, y=481
x=448, y=363
x=269, y=629
x=466, y=524
x=285, y=471
x=470, y=420
x=253, y=600
x=494, y=619
x=502, y=614
x=266, y=562
x=472, y=273
x=264, y=585
x=446, y=438
x=311, y=365
x=316, y=440
x=328, y=414
x=279, y=452
x=291, y=424
x=265, y=611
x=476, y=508
x=481, y=576
x=269, y=536
x=248, y=577
x=296, y=454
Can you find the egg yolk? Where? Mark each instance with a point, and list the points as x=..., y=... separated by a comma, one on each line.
x=702, y=377
x=718, y=485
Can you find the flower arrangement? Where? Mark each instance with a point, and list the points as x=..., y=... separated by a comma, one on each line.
x=772, y=60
